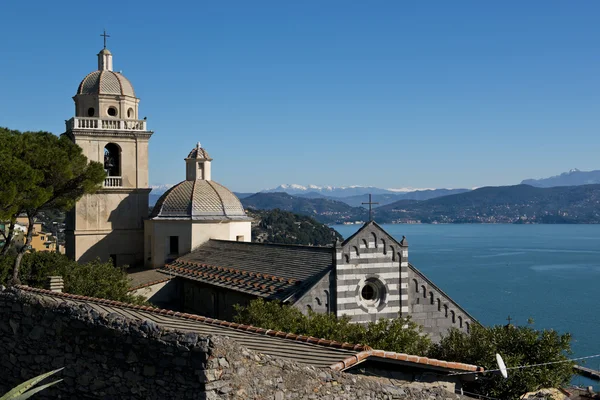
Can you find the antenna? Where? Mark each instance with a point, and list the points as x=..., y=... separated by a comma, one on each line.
x=501, y=366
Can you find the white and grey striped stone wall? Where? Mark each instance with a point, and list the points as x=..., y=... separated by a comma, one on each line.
x=371, y=256
x=430, y=307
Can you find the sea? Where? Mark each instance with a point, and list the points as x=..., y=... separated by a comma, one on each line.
x=549, y=273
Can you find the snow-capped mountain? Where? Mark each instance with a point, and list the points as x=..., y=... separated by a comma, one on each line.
x=160, y=189
x=330, y=191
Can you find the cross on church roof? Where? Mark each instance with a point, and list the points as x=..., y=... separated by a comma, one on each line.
x=105, y=36
x=370, y=203
x=509, y=319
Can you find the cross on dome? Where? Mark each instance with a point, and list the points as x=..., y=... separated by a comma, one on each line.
x=105, y=36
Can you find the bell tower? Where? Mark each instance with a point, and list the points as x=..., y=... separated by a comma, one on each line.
x=109, y=224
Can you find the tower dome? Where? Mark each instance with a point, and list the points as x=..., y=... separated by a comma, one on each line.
x=199, y=200
x=199, y=197
x=106, y=82
x=106, y=94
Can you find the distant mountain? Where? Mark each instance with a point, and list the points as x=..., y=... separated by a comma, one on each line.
x=503, y=204
x=324, y=210
x=242, y=195
x=388, y=198
x=574, y=177
x=160, y=189
x=334, y=191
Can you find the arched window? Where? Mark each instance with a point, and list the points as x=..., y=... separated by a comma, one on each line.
x=112, y=111
x=393, y=253
x=383, y=246
x=439, y=303
x=424, y=291
x=431, y=297
x=416, y=285
x=468, y=326
x=327, y=300
x=355, y=251
x=374, y=238
x=112, y=159
x=459, y=321
x=446, y=310
x=91, y=112
x=318, y=300
x=347, y=257
x=130, y=113
x=453, y=317
x=365, y=243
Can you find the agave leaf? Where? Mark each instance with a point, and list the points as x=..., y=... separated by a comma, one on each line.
x=23, y=387
x=35, y=390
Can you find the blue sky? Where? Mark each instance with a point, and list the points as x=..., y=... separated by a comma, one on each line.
x=385, y=93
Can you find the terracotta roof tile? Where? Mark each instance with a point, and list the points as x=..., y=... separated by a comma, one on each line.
x=362, y=352
x=266, y=270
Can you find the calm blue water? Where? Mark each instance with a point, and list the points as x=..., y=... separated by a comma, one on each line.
x=550, y=273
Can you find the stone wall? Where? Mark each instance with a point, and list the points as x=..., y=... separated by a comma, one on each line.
x=106, y=356
x=318, y=298
x=433, y=309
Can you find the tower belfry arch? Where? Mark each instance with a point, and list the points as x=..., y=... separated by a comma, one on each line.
x=109, y=223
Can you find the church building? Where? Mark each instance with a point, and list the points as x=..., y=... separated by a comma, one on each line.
x=199, y=236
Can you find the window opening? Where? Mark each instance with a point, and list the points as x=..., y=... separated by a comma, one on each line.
x=173, y=244
x=112, y=160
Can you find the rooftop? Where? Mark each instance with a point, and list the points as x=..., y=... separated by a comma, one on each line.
x=272, y=271
x=298, y=348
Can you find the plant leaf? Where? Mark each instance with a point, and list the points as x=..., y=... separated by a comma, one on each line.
x=23, y=387
x=35, y=390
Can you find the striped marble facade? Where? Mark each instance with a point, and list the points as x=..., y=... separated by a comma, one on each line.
x=372, y=258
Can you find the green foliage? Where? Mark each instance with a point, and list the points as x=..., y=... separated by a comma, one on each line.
x=22, y=391
x=276, y=226
x=43, y=171
x=518, y=345
x=94, y=279
x=400, y=335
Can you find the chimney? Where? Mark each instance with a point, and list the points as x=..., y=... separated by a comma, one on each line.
x=55, y=284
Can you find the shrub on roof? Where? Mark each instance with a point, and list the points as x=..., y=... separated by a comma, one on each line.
x=519, y=346
x=400, y=335
x=94, y=279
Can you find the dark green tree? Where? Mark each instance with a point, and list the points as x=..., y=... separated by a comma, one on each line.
x=62, y=173
x=17, y=181
x=519, y=346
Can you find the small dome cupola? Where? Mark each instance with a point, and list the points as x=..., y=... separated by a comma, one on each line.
x=105, y=60
x=197, y=164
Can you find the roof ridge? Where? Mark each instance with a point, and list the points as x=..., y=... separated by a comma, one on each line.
x=293, y=246
x=390, y=355
x=220, y=198
x=206, y=320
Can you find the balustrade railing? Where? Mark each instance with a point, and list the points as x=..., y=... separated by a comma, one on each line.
x=113, y=181
x=107, y=123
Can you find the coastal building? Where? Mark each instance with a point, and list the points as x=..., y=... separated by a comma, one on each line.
x=196, y=243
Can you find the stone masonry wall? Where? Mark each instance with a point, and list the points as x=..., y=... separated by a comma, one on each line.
x=106, y=356
x=433, y=309
x=103, y=355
